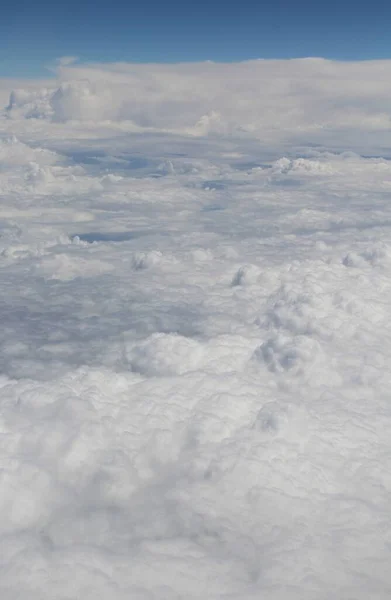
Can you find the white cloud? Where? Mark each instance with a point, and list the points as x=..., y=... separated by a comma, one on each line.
x=65, y=61
x=196, y=331
x=277, y=98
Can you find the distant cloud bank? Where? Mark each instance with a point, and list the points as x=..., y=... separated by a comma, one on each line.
x=251, y=98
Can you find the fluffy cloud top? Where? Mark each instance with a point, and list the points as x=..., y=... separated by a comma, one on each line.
x=196, y=333
x=247, y=98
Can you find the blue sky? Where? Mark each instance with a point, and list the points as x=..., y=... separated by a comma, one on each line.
x=32, y=34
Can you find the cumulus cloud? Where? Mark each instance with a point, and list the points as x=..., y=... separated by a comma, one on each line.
x=82, y=101
x=195, y=333
x=251, y=98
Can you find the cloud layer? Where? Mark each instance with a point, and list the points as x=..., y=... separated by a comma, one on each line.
x=247, y=98
x=195, y=274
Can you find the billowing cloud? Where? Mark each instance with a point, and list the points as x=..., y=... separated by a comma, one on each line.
x=254, y=98
x=195, y=283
